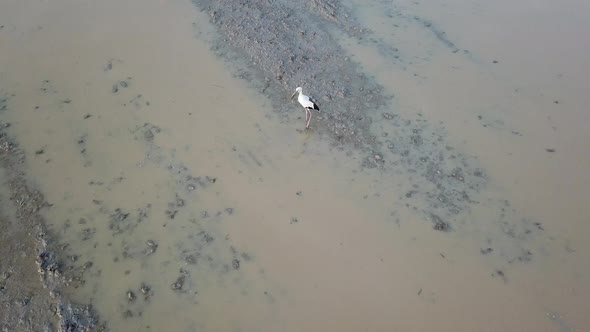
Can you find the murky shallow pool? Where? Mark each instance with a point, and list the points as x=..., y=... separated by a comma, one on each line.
x=185, y=203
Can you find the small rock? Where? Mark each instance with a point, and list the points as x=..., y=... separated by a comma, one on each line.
x=191, y=259
x=131, y=296
x=177, y=285
x=457, y=173
x=485, y=251
x=152, y=247
x=148, y=135
x=171, y=214
x=439, y=224
x=145, y=289
x=411, y=193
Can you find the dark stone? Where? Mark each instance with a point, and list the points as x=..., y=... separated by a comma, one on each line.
x=131, y=296
x=152, y=247
x=177, y=285
x=486, y=251
x=439, y=224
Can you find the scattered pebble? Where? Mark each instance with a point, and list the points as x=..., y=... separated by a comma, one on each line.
x=152, y=247
x=145, y=289
x=148, y=135
x=177, y=285
x=191, y=259
x=486, y=251
x=131, y=296
x=439, y=224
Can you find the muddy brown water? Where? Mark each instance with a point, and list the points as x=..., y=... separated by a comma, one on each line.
x=184, y=202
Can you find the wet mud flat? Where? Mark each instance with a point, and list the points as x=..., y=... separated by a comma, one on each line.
x=169, y=232
x=278, y=45
x=135, y=258
x=32, y=277
x=142, y=230
x=125, y=238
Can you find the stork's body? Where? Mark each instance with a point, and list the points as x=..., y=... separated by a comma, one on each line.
x=307, y=103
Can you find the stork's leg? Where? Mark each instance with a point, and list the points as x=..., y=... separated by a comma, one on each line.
x=307, y=118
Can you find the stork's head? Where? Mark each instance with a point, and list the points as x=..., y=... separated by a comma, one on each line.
x=299, y=89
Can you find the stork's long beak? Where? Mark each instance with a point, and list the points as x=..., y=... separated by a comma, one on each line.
x=293, y=95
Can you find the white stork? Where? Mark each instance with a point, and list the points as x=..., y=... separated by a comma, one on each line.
x=307, y=103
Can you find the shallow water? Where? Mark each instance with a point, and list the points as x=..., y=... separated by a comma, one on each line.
x=199, y=210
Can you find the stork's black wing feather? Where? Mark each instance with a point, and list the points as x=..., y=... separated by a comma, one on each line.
x=315, y=105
